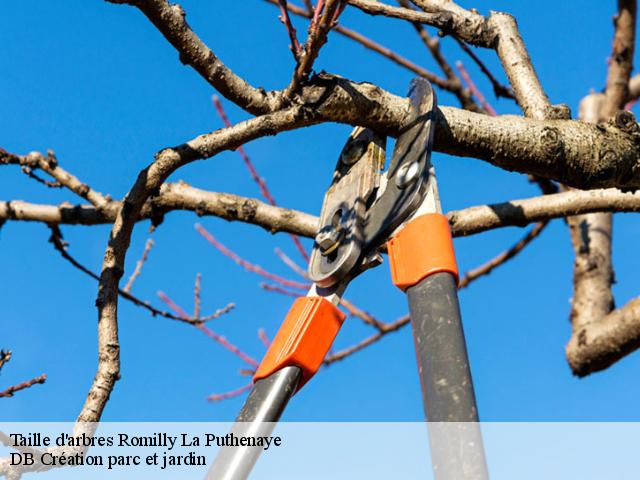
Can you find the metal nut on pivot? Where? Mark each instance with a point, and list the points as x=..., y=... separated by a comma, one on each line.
x=328, y=240
x=407, y=173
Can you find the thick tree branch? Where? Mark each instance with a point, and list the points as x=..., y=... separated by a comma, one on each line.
x=596, y=343
x=170, y=19
x=469, y=221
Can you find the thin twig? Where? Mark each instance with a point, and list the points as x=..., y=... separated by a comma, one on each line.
x=207, y=331
x=5, y=356
x=262, y=335
x=22, y=386
x=475, y=90
x=60, y=246
x=139, y=264
x=387, y=328
x=487, y=267
x=293, y=36
x=262, y=184
x=357, y=312
x=291, y=264
x=228, y=345
x=270, y=287
x=257, y=269
x=375, y=47
x=216, y=397
x=196, y=296
x=499, y=89
x=324, y=19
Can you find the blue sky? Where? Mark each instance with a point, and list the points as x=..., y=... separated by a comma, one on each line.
x=100, y=86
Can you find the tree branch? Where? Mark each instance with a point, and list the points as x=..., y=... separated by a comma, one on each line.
x=170, y=20
x=469, y=221
x=594, y=346
x=22, y=386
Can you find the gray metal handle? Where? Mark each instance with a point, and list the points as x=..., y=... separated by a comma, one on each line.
x=258, y=417
x=456, y=448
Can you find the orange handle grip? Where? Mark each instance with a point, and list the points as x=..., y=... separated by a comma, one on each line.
x=423, y=247
x=303, y=339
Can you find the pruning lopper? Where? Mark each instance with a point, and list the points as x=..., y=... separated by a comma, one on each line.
x=363, y=211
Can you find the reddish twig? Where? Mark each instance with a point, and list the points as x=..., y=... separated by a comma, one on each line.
x=262, y=184
x=487, y=267
x=474, y=89
x=22, y=386
x=387, y=328
x=207, y=331
x=139, y=265
x=264, y=190
x=269, y=287
x=262, y=335
x=291, y=264
x=499, y=89
x=196, y=296
x=228, y=345
x=293, y=35
x=375, y=47
x=248, y=265
x=366, y=317
x=216, y=397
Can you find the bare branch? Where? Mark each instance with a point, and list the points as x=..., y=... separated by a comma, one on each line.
x=49, y=164
x=469, y=221
x=374, y=46
x=595, y=343
x=373, y=7
x=257, y=269
x=386, y=329
x=5, y=356
x=262, y=184
x=170, y=20
x=140, y=263
x=499, y=89
x=487, y=267
x=61, y=247
x=293, y=36
x=475, y=90
x=22, y=386
x=621, y=62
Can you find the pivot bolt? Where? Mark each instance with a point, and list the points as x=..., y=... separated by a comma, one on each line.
x=407, y=173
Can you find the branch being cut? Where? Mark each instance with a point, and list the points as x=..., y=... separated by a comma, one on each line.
x=468, y=221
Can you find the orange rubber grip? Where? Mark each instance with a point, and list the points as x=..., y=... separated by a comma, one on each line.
x=304, y=338
x=423, y=247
